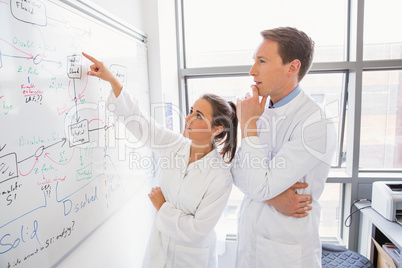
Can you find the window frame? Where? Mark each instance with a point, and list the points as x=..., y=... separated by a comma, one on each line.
x=356, y=181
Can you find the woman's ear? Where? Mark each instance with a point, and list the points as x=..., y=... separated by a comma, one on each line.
x=218, y=130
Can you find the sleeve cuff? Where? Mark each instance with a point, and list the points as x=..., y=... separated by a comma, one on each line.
x=160, y=213
x=111, y=99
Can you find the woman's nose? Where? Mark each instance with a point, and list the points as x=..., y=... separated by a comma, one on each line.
x=188, y=118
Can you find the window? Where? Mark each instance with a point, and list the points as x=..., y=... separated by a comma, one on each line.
x=381, y=120
x=226, y=32
x=356, y=76
x=382, y=40
x=230, y=88
x=328, y=90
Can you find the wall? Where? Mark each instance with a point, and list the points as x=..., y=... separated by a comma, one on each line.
x=159, y=25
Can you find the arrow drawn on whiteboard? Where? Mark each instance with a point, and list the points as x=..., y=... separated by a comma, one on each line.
x=81, y=94
x=53, y=61
x=95, y=119
x=37, y=59
x=41, y=149
x=29, y=55
x=77, y=117
x=18, y=57
x=63, y=140
x=62, y=164
x=1, y=148
x=106, y=127
x=69, y=83
x=36, y=161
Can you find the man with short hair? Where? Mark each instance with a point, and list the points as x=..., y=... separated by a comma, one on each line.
x=286, y=142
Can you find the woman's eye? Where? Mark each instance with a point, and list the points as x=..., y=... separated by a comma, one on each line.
x=199, y=116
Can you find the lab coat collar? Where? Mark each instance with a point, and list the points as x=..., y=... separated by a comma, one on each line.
x=207, y=161
x=210, y=160
x=204, y=163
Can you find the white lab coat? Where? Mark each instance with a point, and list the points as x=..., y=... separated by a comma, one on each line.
x=196, y=194
x=296, y=143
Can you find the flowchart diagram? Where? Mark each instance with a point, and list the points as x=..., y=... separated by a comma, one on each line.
x=63, y=168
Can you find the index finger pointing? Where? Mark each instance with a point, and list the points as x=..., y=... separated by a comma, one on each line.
x=90, y=58
x=255, y=91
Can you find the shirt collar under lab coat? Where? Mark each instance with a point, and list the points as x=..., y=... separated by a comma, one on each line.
x=286, y=99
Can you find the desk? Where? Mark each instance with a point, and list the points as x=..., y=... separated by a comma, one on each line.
x=372, y=224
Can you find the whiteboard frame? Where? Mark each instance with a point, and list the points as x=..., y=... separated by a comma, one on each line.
x=95, y=11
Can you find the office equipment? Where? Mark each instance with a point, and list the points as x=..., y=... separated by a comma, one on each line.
x=387, y=199
x=374, y=226
x=66, y=165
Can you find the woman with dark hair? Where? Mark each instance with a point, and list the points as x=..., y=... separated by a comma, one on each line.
x=194, y=177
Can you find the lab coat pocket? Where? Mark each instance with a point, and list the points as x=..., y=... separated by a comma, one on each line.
x=275, y=254
x=186, y=256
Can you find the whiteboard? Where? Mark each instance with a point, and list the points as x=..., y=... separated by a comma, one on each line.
x=66, y=165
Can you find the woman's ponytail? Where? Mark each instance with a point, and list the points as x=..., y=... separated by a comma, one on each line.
x=231, y=136
x=224, y=114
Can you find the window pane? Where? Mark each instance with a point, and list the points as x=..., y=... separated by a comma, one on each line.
x=228, y=221
x=226, y=32
x=327, y=90
x=382, y=33
x=229, y=88
x=330, y=208
x=381, y=122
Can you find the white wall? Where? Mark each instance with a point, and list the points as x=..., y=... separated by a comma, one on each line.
x=121, y=241
x=159, y=25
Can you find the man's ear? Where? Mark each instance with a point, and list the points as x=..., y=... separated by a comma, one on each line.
x=294, y=67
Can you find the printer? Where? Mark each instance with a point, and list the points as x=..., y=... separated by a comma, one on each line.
x=386, y=199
